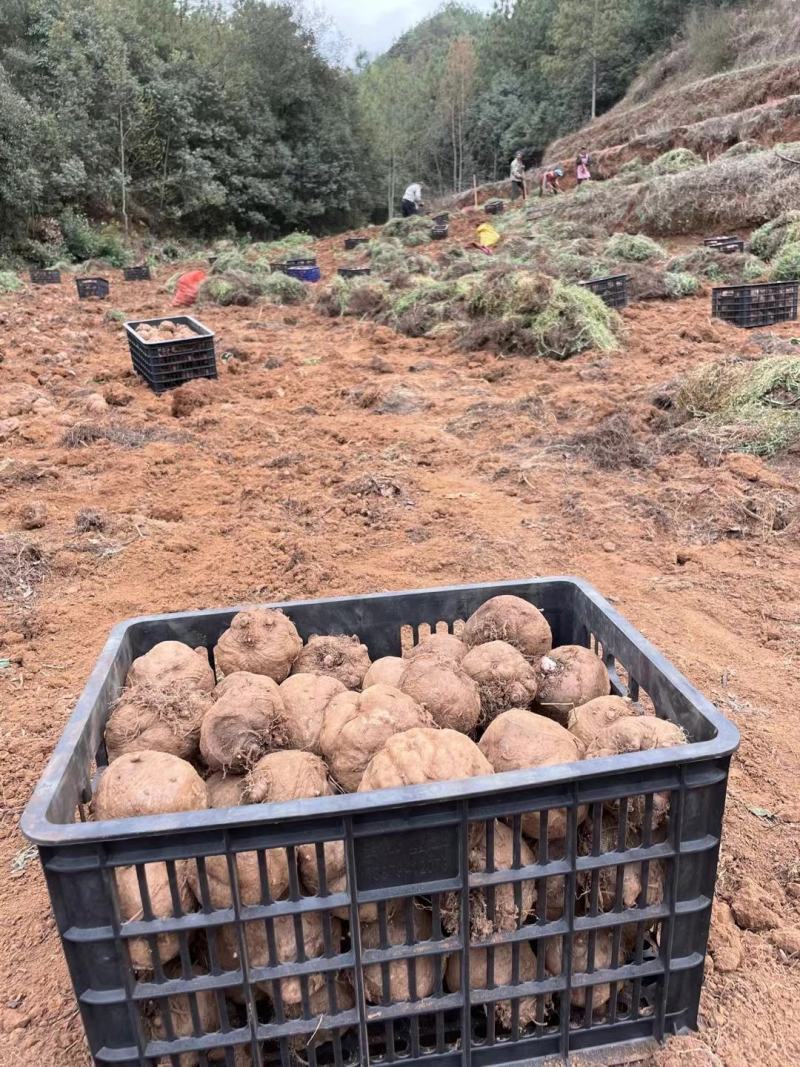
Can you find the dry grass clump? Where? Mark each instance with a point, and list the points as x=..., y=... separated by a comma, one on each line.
x=744, y=406
x=611, y=445
x=23, y=566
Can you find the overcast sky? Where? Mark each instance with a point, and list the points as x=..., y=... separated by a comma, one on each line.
x=375, y=24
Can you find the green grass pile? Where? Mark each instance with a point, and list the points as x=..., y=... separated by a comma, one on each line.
x=680, y=283
x=356, y=297
x=634, y=248
x=675, y=161
x=744, y=406
x=10, y=282
x=786, y=265
x=768, y=239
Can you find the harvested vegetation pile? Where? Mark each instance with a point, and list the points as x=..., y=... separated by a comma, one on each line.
x=292, y=719
x=743, y=406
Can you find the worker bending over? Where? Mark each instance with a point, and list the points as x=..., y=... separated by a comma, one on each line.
x=550, y=180
x=412, y=200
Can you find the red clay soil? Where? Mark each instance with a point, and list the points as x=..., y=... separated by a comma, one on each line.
x=333, y=456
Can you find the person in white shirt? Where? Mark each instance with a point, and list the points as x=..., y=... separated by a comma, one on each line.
x=518, y=177
x=412, y=200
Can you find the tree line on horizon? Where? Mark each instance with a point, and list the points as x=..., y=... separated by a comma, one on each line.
x=205, y=118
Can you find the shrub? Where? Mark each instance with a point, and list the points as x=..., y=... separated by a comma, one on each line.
x=83, y=242
x=767, y=239
x=786, y=266
x=677, y=159
x=680, y=283
x=9, y=282
x=635, y=248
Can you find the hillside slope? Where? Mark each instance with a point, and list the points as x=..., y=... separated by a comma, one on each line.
x=732, y=76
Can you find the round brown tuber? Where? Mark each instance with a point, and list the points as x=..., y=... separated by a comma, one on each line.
x=446, y=646
x=148, y=783
x=518, y=739
x=305, y=697
x=445, y=690
x=287, y=775
x=490, y=912
x=569, y=676
x=505, y=678
x=511, y=619
x=248, y=878
x=385, y=671
x=150, y=718
x=635, y=735
x=225, y=790
x=161, y=906
x=502, y=974
x=407, y=979
x=179, y=1009
x=286, y=952
x=171, y=663
x=603, y=952
x=424, y=755
x=357, y=725
x=321, y=1004
x=247, y=720
x=590, y=719
x=260, y=641
x=341, y=657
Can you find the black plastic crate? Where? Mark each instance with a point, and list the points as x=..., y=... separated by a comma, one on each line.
x=353, y=242
x=613, y=291
x=493, y=207
x=441, y=219
x=167, y=364
x=92, y=288
x=725, y=244
x=46, y=277
x=412, y=846
x=354, y=272
x=140, y=273
x=439, y=233
x=762, y=304
x=302, y=261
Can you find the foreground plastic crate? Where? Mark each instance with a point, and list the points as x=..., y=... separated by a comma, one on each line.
x=612, y=291
x=637, y=968
x=167, y=364
x=748, y=306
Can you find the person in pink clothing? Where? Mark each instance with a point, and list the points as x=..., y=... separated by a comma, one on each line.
x=582, y=173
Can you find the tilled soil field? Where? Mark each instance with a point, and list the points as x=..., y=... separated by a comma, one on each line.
x=333, y=456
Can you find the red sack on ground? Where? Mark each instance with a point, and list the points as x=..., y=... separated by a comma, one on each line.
x=187, y=288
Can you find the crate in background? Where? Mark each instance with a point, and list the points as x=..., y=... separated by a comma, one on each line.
x=167, y=364
x=92, y=288
x=50, y=276
x=354, y=272
x=353, y=242
x=140, y=273
x=494, y=207
x=617, y=974
x=613, y=291
x=725, y=244
x=760, y=304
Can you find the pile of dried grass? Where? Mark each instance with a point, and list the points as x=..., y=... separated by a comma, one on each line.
x=23, y=566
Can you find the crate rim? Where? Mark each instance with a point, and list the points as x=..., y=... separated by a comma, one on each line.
x=605, y=278
x=756, y=285
x=130, y=329
x=41, y=831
